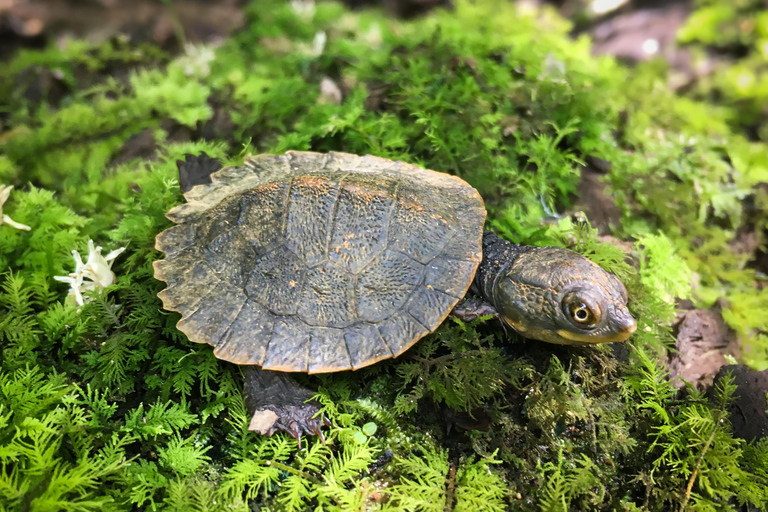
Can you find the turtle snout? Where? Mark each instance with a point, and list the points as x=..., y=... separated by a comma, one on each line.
x=629, y=325
x=623, y=325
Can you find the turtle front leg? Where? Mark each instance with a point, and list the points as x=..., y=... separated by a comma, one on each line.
x=470, y=309
x=276, y=402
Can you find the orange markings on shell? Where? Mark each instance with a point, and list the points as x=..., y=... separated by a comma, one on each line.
x=344, y=260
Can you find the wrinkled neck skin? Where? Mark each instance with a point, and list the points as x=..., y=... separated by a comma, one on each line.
x=498, y=256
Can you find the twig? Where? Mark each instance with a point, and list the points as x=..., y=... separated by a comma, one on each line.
x=450, y=489
x=695, y=472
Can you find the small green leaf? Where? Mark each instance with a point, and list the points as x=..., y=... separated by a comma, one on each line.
x=369, y=429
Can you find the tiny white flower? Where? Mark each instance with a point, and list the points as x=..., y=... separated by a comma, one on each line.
x=197, y=59
x=318, y=44
x=315, y=48
x=97, y=269
x=75, y=279
x=4, y=193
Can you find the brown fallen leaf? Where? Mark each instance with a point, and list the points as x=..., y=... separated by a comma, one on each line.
x=703, y=342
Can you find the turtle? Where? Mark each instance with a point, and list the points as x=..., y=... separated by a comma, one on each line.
x=326, y=262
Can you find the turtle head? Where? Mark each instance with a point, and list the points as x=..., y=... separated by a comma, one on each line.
x=558, y=296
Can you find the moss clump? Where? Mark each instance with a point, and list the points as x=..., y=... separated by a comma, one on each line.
x=732, y=39
x=107, y=406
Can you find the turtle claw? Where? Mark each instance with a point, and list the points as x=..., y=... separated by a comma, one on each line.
x=319, y=433
x=295, y=432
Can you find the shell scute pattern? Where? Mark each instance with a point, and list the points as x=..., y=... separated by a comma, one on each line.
x=319, y=262
x=225, y=255
x=185, y=292
x=310, y=209
x=262, y=216
x=446, y=274
x=276, y=281
x=365, y=345
x=385, y=284
x=361, y=222
x=328, y=298
x=186, y=258
x=288, y=349
x=213, y=315
x=248, y=335
x=430, y=306
x=176, y=239
x=411, y=217
x=329, y=350
x=399, y=329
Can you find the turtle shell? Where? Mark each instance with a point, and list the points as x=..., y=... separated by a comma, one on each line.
x=310, y=262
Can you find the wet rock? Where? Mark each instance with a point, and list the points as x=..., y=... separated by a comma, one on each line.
x=177, y=132
x=377, y=95
x=646, y=33
x=747, y=412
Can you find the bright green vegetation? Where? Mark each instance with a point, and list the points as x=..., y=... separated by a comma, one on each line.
x=733, y=36
x=108, y=407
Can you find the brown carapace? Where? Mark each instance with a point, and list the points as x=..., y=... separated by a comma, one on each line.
x=309, y=262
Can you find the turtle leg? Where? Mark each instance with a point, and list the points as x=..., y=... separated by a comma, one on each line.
x=196, y=170
x=275, y=402
x=470, y=309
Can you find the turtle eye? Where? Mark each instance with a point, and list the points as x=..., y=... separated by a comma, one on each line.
x=579, y=312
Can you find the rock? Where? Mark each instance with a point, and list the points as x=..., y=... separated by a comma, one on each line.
x=703, y=341
x=42, y=84
x=640, y=35
x=646, y=33
x=748, y=411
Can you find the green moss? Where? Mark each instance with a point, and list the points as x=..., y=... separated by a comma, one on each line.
x=739, y=30
x=109, y=406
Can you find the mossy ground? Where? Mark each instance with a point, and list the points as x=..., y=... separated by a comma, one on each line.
x=109, y=407
x=733, y=36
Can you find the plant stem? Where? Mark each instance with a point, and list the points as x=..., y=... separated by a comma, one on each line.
x=695, y=472
x=450, y=489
